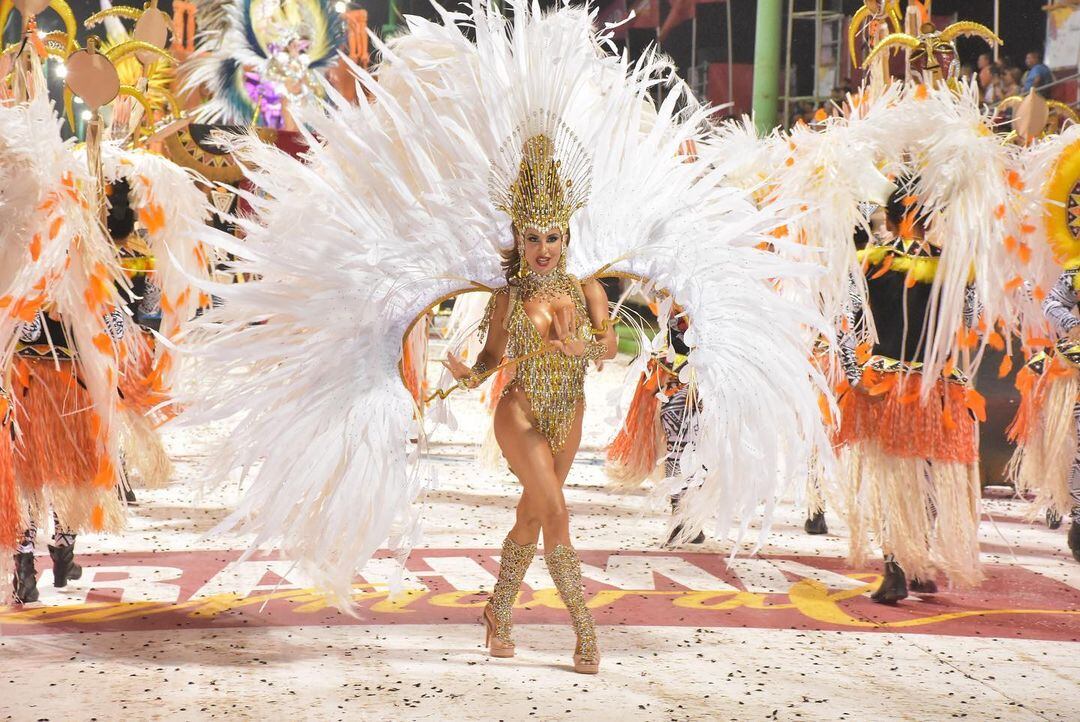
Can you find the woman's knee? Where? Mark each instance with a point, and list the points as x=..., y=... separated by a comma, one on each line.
x=529, y=517
x=546, y=510
x=554, y=515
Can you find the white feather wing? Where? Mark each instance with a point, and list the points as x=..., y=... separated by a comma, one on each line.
x=660, y=215
x=347, y=249
x=392, y=211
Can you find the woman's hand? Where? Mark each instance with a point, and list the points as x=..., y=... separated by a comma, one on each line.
x=564, y=339
x=456, y=367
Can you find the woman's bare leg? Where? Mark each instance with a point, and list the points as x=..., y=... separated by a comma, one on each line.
x=527, y=528
x=542, y=507
x=565, y=458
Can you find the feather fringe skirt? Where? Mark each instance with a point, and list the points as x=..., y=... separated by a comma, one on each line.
x=141, y=390
x=912, y=466
x=1045, y=433
x=59, y=459
x=635, y=452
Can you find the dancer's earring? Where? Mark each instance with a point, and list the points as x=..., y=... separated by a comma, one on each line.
x=523, y=263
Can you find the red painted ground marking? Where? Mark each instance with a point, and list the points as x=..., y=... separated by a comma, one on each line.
x=202, y=590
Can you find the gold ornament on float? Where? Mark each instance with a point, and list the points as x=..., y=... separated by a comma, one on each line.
x=1062, y=207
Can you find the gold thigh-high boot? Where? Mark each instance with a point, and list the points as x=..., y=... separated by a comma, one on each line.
x=565, y=569
x=499, y=610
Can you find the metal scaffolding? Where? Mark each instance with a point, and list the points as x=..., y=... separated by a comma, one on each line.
x=827, y=19
x=698, y=72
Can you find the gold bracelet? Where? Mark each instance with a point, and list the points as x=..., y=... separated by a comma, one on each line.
x=476, y=375
x=594, y=350
x=607, y=323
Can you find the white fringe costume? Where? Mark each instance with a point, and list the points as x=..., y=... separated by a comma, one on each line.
x=173, y=211
x=1046, y=429
x=55, y=258
x=909, y=435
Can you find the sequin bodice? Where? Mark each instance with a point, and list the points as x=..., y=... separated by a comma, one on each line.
x=553, y=382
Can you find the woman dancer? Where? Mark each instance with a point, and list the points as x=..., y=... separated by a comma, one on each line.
x=542, y=310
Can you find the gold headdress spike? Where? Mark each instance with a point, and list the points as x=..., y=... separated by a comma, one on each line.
x=542, y=174
x=930, y=42
x=871, y=13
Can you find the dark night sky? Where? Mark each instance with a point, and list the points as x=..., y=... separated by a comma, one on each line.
x=1023, y=26
x=1023, y=22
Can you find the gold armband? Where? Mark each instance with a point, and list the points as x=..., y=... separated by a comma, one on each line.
x=608, y=323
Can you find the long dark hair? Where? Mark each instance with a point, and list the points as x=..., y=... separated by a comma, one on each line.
x=511, y=261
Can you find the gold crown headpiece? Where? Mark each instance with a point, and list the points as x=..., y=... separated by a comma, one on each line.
x=542, y=175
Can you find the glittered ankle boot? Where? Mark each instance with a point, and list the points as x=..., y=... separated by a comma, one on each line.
x=565, y=569
x=498, y=613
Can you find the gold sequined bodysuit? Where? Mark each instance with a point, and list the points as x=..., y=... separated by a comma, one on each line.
x=553, y=382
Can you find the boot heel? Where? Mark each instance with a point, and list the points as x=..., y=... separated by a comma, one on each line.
x=496, y=647
x=584, y=666
x=498, y=613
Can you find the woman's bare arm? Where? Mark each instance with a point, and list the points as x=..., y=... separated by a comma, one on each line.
x=494, y=347
x=597, y=303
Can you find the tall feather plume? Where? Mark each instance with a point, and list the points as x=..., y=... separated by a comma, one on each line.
x=174, y=212
x=221, y=59
x=750, y=161
x=56, y=252
x=827, y=174
x=962, y=169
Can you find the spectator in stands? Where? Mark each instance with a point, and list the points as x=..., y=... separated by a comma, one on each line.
x=994, y=90
x=983, y=68
x=1013, y=82
x=1038, y=75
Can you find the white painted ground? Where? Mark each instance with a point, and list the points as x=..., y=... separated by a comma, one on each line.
x=440, y=671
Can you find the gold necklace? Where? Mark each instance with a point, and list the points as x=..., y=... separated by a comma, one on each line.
x=547, y=286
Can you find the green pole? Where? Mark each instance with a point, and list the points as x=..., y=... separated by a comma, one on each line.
x=767, y=63
x=391, y=21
